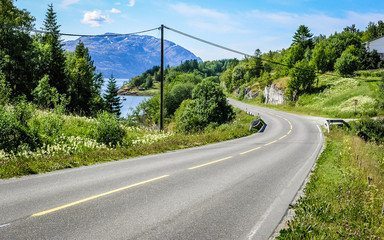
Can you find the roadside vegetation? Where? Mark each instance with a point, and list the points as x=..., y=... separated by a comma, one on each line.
x=36, y=141
x=344, y=198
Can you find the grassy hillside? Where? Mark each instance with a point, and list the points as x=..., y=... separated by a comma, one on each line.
x=335, y=97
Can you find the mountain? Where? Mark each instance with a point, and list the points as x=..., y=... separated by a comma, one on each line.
x=131, y=55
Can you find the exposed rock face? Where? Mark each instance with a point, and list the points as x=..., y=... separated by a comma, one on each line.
x=248, y=94
x=273, y=95
x=129, y=56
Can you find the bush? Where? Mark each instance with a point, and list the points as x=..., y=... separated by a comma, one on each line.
x=107, y=129
x=208, y=105
x=369, y=129
x=15, y=131
x=47, y=127
x=347, y=64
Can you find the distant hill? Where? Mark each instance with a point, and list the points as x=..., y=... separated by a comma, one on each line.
x=129, y=56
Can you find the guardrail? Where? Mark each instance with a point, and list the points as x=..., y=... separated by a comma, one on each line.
x=339, y=122
x=257, y=122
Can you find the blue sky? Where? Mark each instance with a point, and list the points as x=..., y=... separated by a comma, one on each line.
x=244, y=25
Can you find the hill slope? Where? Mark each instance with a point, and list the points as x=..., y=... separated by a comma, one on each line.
x=129, y=56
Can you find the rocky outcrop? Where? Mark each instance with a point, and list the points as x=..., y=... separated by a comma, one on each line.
x=273, y=95
x=248, y=94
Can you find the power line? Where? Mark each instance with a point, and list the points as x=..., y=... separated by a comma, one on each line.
x=90, y=35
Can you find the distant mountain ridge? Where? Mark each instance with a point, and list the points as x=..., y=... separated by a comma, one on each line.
x=131, y=55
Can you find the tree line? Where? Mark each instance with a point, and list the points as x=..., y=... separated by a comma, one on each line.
x=38, y=69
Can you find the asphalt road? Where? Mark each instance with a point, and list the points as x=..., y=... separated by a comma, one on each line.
x=238, y=189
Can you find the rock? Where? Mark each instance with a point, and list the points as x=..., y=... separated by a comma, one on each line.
x=273, y=95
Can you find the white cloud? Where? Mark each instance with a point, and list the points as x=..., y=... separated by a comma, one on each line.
x=95, y=18
x=206, y=19
x=131, y=3
x=66, y=3
x=117, y=3
x=114, y=10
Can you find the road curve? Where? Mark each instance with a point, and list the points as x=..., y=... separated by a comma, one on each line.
x=239, y=189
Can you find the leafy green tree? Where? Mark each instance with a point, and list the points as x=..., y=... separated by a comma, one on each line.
x=112, y=100
x=45, y=95
x=84, y=82
x=208, y=104
x=176, y=96
x=294, y=54
x=341, y=41
x=302, y=77
x=347, y=64
x=17, y=58
x=55, y=59
x=303, y=36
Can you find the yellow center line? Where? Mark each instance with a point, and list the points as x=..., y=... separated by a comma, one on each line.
x=250, y=150
x=270, y=143
x=210, y=163
x=283, y=137
x=97, y=196
x=289, y=132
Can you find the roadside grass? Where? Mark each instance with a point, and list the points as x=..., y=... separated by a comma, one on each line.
x=75, y=147
x=344, y=198
x=335, y=97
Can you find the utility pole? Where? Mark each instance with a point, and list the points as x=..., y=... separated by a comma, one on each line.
x=162, y=80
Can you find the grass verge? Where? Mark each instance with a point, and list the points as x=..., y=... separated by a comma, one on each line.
x=75, y=148
x=344, y=198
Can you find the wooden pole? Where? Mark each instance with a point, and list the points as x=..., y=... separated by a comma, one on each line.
x=162, y=80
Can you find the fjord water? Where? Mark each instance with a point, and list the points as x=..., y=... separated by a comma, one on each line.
x=128, y=103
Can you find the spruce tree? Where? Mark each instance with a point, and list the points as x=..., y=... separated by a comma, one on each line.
x=112, y=101
x=84, y=83
x=55, y=65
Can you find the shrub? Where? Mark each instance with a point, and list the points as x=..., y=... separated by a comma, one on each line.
x=369, y=129
x=107, y=129
x=208, y=105
x=347, y=64
x=14, y=128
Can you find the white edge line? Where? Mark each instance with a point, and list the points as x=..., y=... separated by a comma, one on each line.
x=4, y=225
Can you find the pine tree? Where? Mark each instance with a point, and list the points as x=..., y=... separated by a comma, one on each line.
x=55, y=65
x=84, y=82
x=303, y=36
x=112, y=101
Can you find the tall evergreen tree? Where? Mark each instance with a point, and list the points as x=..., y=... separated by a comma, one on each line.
x=84, y=82
x=112, y=101
x=55, y=65
x=303, y=36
